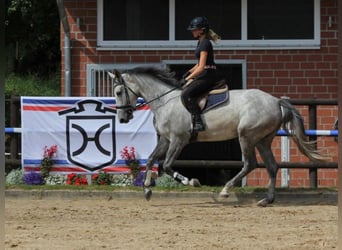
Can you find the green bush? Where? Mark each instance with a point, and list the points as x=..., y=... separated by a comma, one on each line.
x=167, y=181
x=29, y=86
x=15, y=177
x=32, y=86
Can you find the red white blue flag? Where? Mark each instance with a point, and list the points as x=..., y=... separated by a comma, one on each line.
x=88, y=136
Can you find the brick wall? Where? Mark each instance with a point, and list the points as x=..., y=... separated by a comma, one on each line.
x=292, y=73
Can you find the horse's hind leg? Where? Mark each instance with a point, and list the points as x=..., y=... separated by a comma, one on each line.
x=250, y=163
x=264, y=148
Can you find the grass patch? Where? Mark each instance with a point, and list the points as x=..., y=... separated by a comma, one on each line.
x=111, y=188
x=213, y=189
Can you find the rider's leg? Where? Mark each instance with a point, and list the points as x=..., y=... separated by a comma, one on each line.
x=189, y=97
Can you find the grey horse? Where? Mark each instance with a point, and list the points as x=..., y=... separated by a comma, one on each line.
x=251, y=115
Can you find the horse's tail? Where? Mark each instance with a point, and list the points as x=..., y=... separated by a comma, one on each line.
x=292, y=117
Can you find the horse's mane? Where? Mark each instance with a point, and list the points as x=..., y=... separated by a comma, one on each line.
x=164, y=75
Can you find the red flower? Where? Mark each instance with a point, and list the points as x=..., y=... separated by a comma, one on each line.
x=77, y=180
x=84, y=181
x=101, y=178
x=128, y=153
x=50, y=152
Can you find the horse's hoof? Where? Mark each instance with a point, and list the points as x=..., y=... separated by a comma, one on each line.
x=147, y=193
x=263, y=203
x=194, y=182
x=223, y=196
x=220, y=198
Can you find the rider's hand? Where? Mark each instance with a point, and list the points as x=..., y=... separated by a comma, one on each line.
x=182, y=82
x=186, y=74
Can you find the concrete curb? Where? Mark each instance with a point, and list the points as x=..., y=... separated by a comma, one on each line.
x=291, y=197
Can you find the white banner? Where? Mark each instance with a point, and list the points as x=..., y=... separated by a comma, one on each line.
x=87, y=134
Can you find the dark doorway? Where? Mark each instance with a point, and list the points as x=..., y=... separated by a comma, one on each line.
x=223, y=150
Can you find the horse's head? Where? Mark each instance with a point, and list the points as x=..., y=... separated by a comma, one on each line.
x=125, y=96
x=150, y=83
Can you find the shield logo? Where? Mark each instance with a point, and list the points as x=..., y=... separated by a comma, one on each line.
x=90, y=136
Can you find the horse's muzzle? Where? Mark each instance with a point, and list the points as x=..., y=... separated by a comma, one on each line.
x=128, y=116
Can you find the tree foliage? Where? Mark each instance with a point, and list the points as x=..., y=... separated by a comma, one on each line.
x=32, y=37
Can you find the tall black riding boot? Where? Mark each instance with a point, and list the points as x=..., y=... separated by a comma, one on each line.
x=197, y=123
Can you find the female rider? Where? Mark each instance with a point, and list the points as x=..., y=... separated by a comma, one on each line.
x=203, y=73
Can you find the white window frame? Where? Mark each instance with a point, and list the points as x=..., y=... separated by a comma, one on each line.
x=241, y=44
x=104, y=68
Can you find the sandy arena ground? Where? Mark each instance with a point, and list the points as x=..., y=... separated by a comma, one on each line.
x=178, y=223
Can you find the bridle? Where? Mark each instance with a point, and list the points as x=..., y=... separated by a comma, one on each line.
x=128, y=105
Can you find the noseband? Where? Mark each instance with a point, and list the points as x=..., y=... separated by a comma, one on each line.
x=129, y=106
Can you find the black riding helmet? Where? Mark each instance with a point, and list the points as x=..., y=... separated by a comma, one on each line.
x=199, y=23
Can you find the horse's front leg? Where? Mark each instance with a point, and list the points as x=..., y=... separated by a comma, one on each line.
x=158, y=152
x=173, y=152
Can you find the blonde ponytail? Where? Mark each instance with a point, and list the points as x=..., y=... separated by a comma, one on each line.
x=213, y=36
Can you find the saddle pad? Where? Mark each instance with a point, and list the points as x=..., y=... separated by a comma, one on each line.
x=215, y=100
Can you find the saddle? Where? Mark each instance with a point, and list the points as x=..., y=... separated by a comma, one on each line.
x=217, y=95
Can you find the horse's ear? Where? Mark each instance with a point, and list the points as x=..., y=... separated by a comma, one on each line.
x=111, y=75
x=117, y=73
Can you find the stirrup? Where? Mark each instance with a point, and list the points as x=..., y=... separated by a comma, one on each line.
x=198, y=127
x=197, y=124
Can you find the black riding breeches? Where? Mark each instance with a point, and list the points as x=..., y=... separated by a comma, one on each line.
x=196, y=88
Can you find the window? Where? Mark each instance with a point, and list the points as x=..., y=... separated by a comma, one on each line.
x=242, y=24
x=132, y=20
x=290, y=19
x=225, y=19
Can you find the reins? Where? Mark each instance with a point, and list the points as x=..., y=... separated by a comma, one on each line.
x=129, y=105
x=158, y=97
